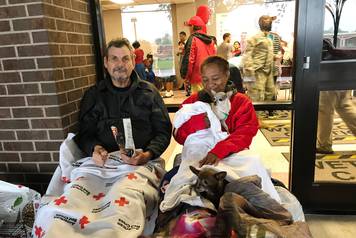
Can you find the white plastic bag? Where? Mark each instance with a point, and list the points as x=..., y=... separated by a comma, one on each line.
x=18, y=205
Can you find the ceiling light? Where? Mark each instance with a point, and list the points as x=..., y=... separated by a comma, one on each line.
x=121, y=2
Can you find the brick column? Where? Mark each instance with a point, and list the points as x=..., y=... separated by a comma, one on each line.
x=47, y=62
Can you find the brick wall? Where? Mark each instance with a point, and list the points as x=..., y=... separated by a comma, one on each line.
x=47, y=62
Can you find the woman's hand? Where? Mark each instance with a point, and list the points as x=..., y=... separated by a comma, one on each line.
x=138, y=158
x=210, y=159
x=100, y=155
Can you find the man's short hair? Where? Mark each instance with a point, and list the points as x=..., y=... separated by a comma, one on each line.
x=118, y=43
x=183, y=33
x=226, y=35
x=222, y=63
x=136, y=44
x=265, y=22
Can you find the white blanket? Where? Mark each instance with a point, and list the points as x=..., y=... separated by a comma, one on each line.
x=110, y=201
x=195, y=148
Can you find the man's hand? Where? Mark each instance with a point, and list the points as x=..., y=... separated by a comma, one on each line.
x=210, y=159
x=138, y=158
x=100, y=155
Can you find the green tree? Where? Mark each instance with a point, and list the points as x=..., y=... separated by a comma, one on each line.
x=335, y=9
x=165, y=40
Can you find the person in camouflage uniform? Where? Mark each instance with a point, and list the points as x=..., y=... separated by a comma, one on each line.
x=258, y=62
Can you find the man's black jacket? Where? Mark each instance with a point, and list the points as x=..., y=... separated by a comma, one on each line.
x=104, y=105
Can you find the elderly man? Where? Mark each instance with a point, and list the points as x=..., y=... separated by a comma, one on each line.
x=123, y=95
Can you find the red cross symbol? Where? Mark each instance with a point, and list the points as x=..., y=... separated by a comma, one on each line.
x=65, y=179
x=99, y=196
x=60, y=200
x=83, y=221
x=38, y=231
x=122, y=201
x=131, y=176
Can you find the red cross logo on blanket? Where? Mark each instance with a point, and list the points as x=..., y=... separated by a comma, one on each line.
x=99, y=196
x=38, y=231
x=122, y=201
x=83, y=221
x=131, y=176
x=60, y=200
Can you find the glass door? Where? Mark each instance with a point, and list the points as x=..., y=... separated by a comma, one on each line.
x=323, y=163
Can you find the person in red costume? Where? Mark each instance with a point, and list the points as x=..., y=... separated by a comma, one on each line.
x=198, y=47
x=241, y=121
x=204, y=13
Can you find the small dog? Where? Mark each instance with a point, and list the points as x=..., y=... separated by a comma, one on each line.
x=210, y=184
x=219, y=102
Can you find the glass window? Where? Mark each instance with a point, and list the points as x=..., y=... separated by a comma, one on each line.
x=266, y=57
x=141, y=23
x=339, y=30
x=336, y=137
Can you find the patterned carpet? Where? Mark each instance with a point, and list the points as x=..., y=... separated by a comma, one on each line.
x=278, y=133
x=338, y=167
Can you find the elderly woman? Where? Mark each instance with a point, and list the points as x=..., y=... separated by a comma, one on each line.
x=216, y=126
x=241, y=120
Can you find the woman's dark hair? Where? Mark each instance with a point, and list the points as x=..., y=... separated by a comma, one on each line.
x=236, y=79
x=149, y=56
x=117, y=43
x=234, y=82
x=222, y=63
x=136, y=44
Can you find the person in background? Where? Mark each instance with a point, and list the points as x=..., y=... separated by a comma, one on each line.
x=243, y=41
x=329, y=102
x=204, y=13
x=277, y=57
x=236, y=50
x=277, y=65
x=181, y=45
x=258, y=62
x=225, y=48
x=139, y=55
x=198, y=47
x=150, y=75
x=339, y=101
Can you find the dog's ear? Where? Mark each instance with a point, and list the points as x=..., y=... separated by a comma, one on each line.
x=220, y=175
x=194, y=170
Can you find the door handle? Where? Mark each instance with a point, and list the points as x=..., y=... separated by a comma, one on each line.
x=306, y=63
